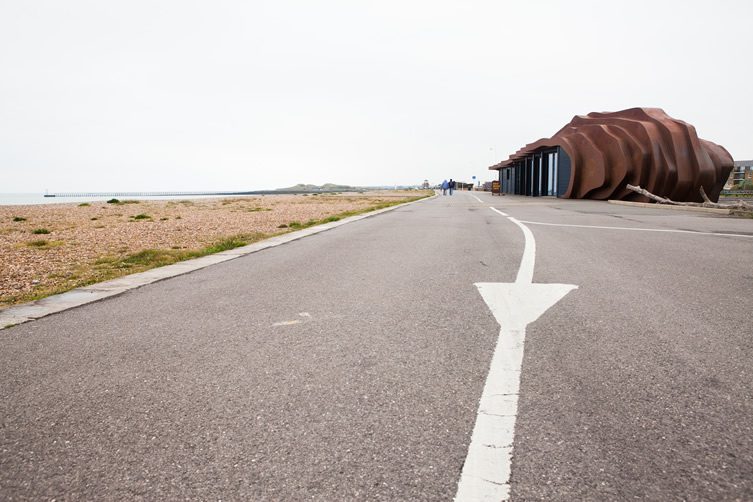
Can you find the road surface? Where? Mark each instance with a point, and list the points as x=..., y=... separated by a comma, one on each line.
x=350, y=365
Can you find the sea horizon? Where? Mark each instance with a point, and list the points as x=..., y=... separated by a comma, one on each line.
x=31, y=198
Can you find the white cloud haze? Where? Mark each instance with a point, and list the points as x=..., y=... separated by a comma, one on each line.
x=242, y=95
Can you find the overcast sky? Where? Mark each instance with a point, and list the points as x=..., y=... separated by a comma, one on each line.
x=239, y=95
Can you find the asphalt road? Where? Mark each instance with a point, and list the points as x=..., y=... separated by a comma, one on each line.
x=348, y=366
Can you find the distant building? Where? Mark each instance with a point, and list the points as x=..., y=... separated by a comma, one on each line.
x=596, y=156
x=741, y=172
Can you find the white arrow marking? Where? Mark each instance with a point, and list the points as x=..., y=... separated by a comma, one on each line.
x=486, y=472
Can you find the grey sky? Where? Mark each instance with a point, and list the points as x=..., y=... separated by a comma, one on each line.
x=150, y=95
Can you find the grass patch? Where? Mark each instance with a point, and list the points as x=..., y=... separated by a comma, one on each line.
x=164, y=219
x=131, y=202
x=297, y=225
x=257, y=209
x=44, y=244
x=150, y=258
x=84, y=204
x=142, y=216
x=111, y=267
x=113, y=201
x=40, y=231
x=18, y=218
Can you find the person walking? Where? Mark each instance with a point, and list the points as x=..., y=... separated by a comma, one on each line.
x=451, y=185
x=445, y=186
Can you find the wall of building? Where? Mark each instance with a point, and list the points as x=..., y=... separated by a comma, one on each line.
x=741, y=172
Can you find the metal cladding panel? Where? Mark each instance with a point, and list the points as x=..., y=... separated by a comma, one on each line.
x=640, y=146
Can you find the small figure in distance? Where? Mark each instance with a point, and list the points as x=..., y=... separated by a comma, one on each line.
x=445, y=186
x=451, y=185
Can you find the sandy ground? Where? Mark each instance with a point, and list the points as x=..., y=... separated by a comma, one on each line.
x=80, y=235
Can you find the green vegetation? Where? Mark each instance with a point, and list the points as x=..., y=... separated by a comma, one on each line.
x=84, y=204
x=121, y=202
x=257, y=209
x=744, y=185
x=40, y=231
x=108, y=266
x=111, y=267
x=18, y=218
x=304, y=187
x=142, y=216
x=297, y=225
x=44, y=244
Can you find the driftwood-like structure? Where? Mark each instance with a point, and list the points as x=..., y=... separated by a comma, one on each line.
x=639, y=146
x=739, y=205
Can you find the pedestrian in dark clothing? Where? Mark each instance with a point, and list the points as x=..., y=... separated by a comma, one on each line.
x=452, y=185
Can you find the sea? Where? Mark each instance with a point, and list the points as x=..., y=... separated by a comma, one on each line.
x=23, y=199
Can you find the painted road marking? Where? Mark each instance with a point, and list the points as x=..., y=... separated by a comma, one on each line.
x=481, y=201
x=287, y=323
x=668, y=230
x=486, y=471
x=525, y=272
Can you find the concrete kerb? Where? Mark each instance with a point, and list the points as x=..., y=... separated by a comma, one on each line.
x=19, y=314
x=669, y=206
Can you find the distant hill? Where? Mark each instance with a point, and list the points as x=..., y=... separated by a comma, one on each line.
x=317, y=188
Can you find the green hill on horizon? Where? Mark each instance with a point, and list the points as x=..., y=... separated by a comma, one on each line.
x=314, y=188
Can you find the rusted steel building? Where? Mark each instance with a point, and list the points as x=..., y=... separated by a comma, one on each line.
x=597, y=155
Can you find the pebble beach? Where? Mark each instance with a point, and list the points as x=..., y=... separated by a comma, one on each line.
x=54, y=247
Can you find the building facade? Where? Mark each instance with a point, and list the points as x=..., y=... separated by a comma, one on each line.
x=597, y=155
x=741, y=175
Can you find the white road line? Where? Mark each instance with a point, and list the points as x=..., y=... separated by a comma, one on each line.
x=287, y=323
x=481, y=201
x=638, y=229
x=486, y=471
x=525, y=272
